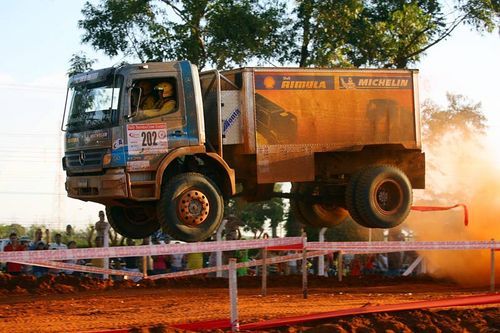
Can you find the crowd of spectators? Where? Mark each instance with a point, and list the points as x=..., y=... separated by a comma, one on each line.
x=391, y=264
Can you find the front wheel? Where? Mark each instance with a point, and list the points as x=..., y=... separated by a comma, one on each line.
x=133, y=222
x=190, y=207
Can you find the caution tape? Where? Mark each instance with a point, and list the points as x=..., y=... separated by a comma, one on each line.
x=252, y=263
x=379, y=247
x=81, y=268
x=145, y=250
x=438, y=208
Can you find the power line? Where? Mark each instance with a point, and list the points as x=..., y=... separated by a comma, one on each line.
x=52, y=89
x=29, y=193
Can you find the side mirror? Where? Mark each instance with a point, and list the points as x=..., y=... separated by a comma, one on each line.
x=135, y=94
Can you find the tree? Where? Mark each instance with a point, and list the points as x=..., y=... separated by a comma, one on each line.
x=224, y=33
x=6, y=230
x=387, y=33
x=219, y=32
x=461, y=116
x=79, y=63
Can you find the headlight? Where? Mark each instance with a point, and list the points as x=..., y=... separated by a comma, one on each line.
x=106, y=159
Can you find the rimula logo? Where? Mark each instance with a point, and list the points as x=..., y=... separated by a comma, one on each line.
x=289, y=84
x=295, y=82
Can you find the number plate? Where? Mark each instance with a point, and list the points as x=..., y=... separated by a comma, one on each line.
x=147, y=138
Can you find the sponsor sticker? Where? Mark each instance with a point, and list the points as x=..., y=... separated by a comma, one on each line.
x=273, y=81
x=147, y=138
x=375, y=82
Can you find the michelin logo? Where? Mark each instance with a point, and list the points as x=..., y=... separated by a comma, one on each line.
x=374, y=82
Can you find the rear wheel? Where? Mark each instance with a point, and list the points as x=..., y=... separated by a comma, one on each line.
x=383, y=196
x=134, y=221
x=350, y=200
x=312, y=213
x=190, y=207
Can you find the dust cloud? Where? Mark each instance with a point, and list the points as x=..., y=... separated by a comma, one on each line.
x=465, y=172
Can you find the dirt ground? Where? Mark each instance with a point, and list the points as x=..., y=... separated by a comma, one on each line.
x=65, y=304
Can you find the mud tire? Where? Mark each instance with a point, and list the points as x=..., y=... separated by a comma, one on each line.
x=172, y=212
x=350, y=200
x=383, y=197
x=133, y=222
x=314, y=214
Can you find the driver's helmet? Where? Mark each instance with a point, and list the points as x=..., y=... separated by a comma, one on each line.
x=165, y=89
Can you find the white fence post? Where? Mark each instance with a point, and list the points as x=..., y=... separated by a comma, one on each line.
x=233, y=295
x=340, y=269
x=264, y=272
x=321, y=259
x=105, y=244
x=304, y=266
x=492, y=266
x=218, y=258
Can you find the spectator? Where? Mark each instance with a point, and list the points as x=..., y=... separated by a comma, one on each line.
x=68, y=234
x=194, y=260
x=291, y=266
x=39, y=271
x=146, y=261
x=14, y=268
x=160, y=261
x=38, y=238
x=177, y=261
x=242, y=256
x=101, y=226
x=369, y=266
x=355, y=267
x=131, y=263
x=58, y=244
x=72, y=245
x=97, y=262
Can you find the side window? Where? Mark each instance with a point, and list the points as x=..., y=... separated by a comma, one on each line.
x=154, y=97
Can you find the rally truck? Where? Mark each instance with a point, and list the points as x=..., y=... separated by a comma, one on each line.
x=348, y=140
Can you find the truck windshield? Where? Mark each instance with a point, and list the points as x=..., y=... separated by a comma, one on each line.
x=93, y=106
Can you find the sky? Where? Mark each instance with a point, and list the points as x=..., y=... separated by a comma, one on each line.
x=37, y=39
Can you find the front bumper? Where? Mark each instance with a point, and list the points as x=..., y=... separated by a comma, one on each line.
x=111, y=185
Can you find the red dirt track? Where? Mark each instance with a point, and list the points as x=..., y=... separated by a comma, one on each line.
x=64, y=304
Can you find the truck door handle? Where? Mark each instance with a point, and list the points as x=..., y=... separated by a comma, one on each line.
x=178, y=133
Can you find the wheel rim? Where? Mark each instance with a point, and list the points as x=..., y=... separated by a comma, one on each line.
x=193, y=207
x=388, y=197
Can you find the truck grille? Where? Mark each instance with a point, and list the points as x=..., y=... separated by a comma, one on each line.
x=84, y=161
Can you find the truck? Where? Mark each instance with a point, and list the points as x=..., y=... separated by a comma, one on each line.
x=348, y=140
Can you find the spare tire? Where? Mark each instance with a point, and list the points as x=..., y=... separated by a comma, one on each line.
x=383, y=196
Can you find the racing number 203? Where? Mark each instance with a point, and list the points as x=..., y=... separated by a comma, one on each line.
x=149, y=139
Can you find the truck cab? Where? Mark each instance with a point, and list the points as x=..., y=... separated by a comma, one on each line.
x=130, y=132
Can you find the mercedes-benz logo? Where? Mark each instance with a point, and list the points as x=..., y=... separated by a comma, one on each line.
x=81, y=157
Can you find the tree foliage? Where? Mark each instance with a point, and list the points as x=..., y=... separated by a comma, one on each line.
x=460, y=116
x=224, y=33
x=255, y=215
x=218, y=32
x=387, y=33
x=79, y=63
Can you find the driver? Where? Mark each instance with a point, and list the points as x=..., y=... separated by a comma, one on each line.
x=165, y=103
